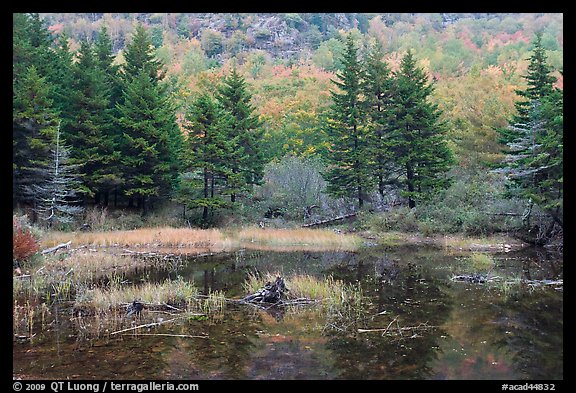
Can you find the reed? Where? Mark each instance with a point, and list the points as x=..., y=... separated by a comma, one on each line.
x=161, y=236
x=480, y=262
x=209, y=240
x=298, y=238
x=178, y=293
x=334, y=293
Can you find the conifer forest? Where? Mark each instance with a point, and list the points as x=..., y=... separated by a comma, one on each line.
x=146, y=137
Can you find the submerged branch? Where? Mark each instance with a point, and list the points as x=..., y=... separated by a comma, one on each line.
x=153, y=324
x=170, y=335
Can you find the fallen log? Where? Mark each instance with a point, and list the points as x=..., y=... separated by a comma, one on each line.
x=474, y=278
x=330, y=220
x=270, y=293
x=55, y=248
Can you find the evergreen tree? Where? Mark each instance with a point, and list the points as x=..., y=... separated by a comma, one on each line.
x=349, y=174
x=418, y=138
x=534, y=159
x=34, y=122
x=61, y=76
x=114, y=179
x=151, y=139
x=207, y=156
x=540, y=84
x=140, y=57
x=33, y=43
x=247, y=160
x=89, y=123
x=105, y=62
x=378, y=94
x=55, y=196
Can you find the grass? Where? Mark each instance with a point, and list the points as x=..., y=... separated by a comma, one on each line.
x=331, y=292
x=210, y=240
x=480, y=262
x=161, y=236
x=58, y=277
x=176, y=293
x=341, y=304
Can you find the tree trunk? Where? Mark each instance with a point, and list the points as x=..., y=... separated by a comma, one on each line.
x=205, y=210
x=410, y=184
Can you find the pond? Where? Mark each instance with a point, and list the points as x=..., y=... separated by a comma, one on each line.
x=415, y=323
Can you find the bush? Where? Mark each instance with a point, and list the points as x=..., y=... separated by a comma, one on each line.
x=24, y=243
x=401, y=219
x=473, y=205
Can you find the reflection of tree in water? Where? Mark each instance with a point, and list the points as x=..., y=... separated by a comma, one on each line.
x=531, y=324
x=398, y=290
x=225, y=354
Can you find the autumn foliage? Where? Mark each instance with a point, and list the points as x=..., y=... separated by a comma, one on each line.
x=24, y=244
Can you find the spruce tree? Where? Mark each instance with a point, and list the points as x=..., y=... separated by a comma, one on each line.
x=534, y=137
x=105, y=62
x=247, y=160
x=34, y=124
x=151, y=139
x=89, y=123
x=208, y=149
x=378, y=95
x=418, y=139
x=349, y=174
x=55, y=195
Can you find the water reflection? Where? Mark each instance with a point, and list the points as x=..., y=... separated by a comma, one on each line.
x=416, y=324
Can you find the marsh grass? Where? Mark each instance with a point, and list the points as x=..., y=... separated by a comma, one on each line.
x=334, y=296
x=481, y=262
x=474, y=263
x=23, y=317
x=165, y=236
x=210, y=240
x=178, y=294
x=298, y=239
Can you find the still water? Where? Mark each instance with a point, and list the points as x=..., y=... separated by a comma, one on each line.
x=415, y=323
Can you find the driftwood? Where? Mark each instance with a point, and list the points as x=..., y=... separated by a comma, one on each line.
x=55, y=248
x=168, y=335
x=474, y=278
x=330, y=220
x=480, y=279
x=153, y=324
x=271, y=293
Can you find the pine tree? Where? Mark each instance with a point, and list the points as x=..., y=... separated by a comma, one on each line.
x=534, y=137
x=140, y=57
x=61, y=75
x=349, y=174
x=55, y=196
x=88, y=126
x=105, y=62
x=151, y=140
x=378, y=92
x=33, y=43
x=34, y=122
x=208, y=149
x=247, y=161
x=418, y=137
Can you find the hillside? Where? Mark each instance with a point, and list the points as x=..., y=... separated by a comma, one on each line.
x=286, y=66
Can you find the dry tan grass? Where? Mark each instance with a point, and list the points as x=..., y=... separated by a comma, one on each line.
x=297, y=238
x=174, y=292
x=328, y=290
x=209, y=240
